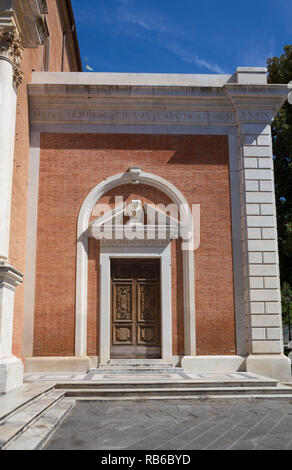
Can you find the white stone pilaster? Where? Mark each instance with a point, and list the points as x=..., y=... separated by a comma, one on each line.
x=258, y=216
x=262, y=292
x=260, y=241
x=31, y=245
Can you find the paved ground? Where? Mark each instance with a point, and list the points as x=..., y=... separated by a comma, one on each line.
x=173, y=425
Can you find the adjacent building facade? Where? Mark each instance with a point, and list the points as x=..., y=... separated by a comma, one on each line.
x=140, y=210
x=32, y=38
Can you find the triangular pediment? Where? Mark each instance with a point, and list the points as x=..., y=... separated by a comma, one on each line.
x=146, y=221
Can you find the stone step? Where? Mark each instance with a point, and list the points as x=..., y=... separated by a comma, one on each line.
x=130, y=364
x=136, y=363
x=176, y=392
x=150, y=368
x=19, y=399
x=215, y=398
x=15, y=424
x=162, y=384
x=39, y=433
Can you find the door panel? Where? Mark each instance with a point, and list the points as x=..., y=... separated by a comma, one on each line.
x=147, y=313
x=123, y=301
x=123, y=335
x=135, y=308
x=123, y=313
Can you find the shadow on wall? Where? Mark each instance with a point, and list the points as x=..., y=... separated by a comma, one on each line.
x=175, y=149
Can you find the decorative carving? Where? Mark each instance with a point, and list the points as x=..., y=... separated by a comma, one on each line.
x=124, y=301
x=147, y=334
x=135, y=173
x=43, y=7
x=11, y=49
x=135, y=211
x=123, y=334
x=148, y=301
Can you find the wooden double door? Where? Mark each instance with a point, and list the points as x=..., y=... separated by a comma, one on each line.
x=136, y=315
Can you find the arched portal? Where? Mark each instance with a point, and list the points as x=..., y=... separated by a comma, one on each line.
x=134, y=176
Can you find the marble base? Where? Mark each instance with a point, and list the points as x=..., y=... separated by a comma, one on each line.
x=275, y=367
x=11, y=368
x=203, y=364
x=11, y=374
x=58, y=364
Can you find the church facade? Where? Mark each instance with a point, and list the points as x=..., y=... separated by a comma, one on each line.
x=141, y=226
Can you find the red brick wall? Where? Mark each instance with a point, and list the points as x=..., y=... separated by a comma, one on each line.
x=32, y=60
x=71, y=165
x=56, y=41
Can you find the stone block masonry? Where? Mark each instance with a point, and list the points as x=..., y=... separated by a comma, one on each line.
x=260, y=239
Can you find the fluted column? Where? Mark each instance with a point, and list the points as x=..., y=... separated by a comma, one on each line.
x=11, y=369
x=10, y=77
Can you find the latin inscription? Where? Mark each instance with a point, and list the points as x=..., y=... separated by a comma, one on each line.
x=257, y=115
x=105, y=116
x=102, y=116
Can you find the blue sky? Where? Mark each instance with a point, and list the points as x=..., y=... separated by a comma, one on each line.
x=181, y=36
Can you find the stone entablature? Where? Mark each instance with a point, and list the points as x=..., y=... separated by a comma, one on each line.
x=78, y=103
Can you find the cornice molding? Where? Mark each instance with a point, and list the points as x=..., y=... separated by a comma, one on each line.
x=9, y=276
x=8, y=19
x=256, y=103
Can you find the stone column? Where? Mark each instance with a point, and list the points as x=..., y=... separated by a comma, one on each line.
x=10, y=77
x=11, y=369
x=255, y=108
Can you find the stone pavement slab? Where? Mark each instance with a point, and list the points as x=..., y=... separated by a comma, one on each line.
x=174, y=425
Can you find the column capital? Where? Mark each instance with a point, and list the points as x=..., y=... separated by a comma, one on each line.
x=11, y=50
